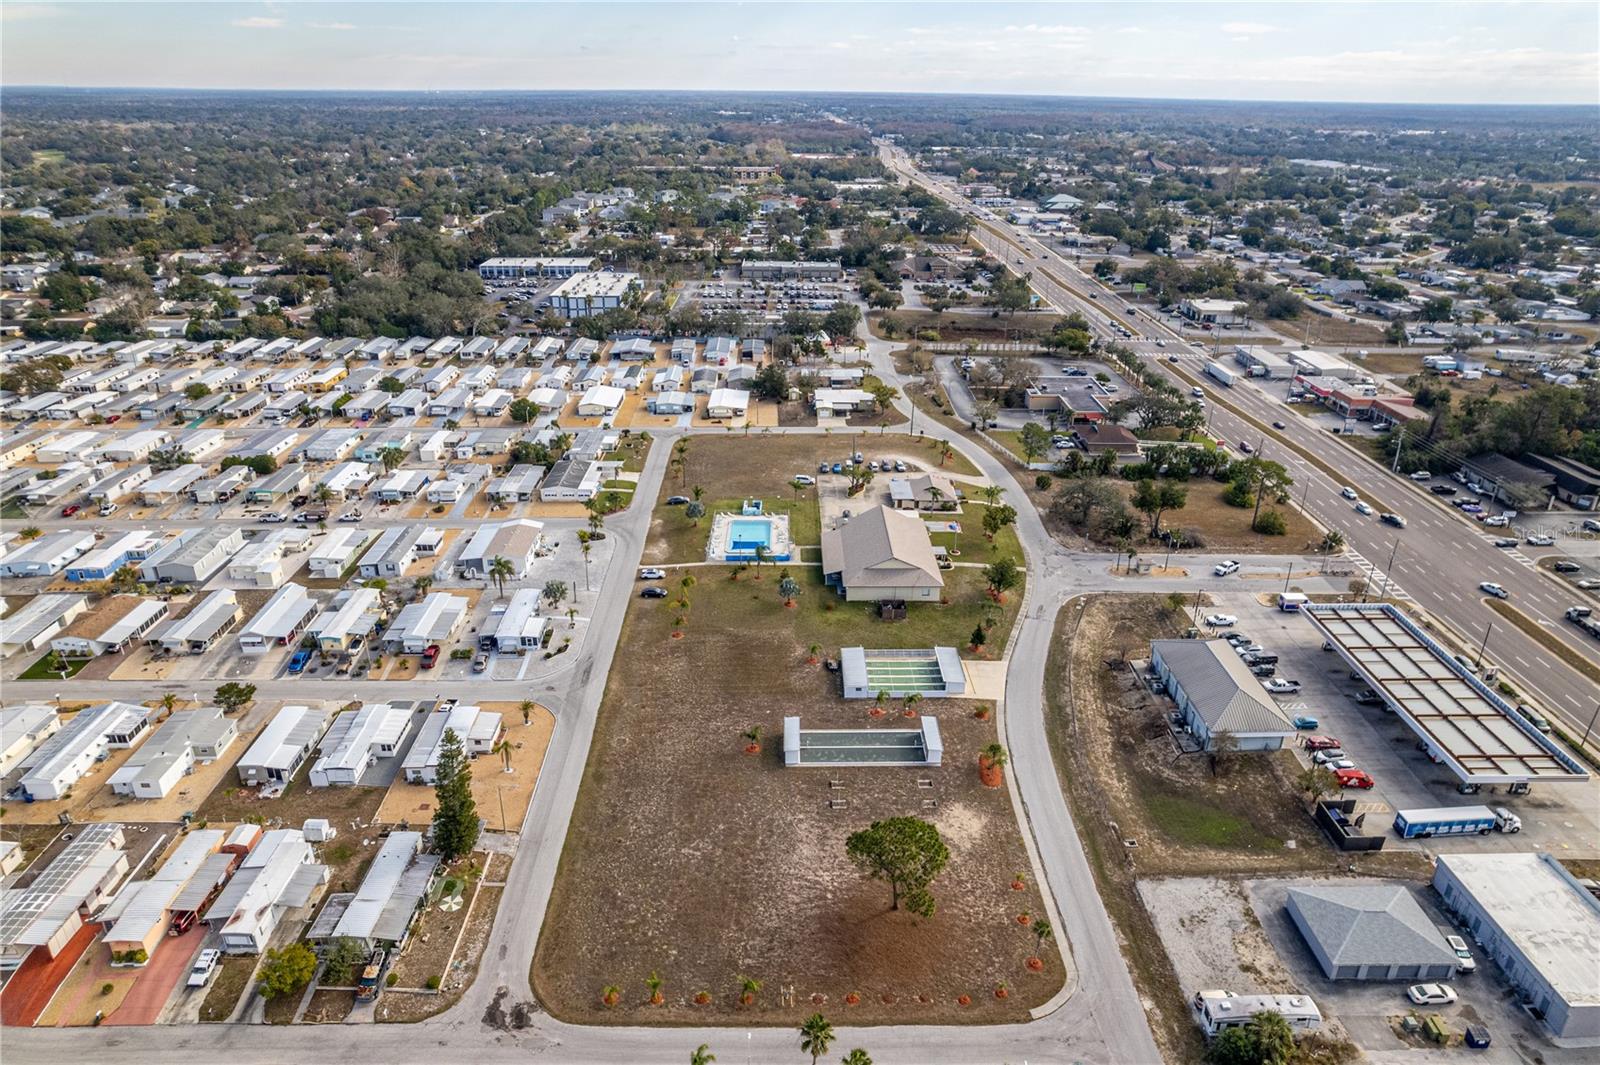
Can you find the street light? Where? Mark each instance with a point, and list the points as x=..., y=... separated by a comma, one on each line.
x=1478, y=661
x=1584, y=742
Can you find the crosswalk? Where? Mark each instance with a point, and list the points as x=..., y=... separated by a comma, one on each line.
x=1377, y=584
x=1514, y=554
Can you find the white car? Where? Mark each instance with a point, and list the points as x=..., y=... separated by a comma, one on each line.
x=1363, y=508
x=1467, y=963
x=1348, y=492
x=1541, y=541
x=651, y=573
x=1283, y=687
x=1225, y=567
x=204, y=966
x=1332, y=754
x=1421, y=475
x=803, y=478
x=1498, y=521
x=1491, y=588
x=1431, y=994
x=1197, y=392
x=1220, y=621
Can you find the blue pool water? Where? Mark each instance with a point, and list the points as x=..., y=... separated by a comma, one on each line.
x=747, y=535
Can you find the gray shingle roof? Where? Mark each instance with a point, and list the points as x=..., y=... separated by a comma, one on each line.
x=1370, y=924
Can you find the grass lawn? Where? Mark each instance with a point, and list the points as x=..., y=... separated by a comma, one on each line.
x=41, y=670
x=1183, y=820
x=227, y=987
x=633, y=450
x=13, y=511
x=689, y=857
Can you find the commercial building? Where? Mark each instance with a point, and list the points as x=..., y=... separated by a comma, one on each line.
x=282, y=746
x=1575, y=483
x=1370, y=932
x=278, y=875
x=478, y=730
x=584, y=295
x=514, y=269
x=880, y=555
x=923, y=491
x=279, y=622
x=790, y=270
x=184, y=738
x=62, y=760
x=1313, y=363
x=357, y=739
x=202, y=626
x=1216, y=693
x=1541, y=927
x=1213, y=312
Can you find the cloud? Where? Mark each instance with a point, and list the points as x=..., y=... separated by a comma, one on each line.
x=1247, y=28
x=258, y=22
x=332, y=25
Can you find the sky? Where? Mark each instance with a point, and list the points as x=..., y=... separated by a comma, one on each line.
x=1447, y=52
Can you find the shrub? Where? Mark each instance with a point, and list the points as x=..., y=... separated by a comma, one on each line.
x=392, y=979
x=106, y=989
x=1043, y=481
x=1239, y=495
x=1271, y=523
x=433, y=983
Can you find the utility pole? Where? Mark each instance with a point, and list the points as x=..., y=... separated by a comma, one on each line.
x=1584, y=742
x=1288, y=573
x=1390, y=571
x=1478, y=661
x=1399, y=445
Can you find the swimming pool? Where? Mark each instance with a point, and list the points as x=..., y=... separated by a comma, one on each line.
x=746, y=534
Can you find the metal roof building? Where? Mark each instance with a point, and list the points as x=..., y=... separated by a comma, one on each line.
x=46, y=912
x=357, y=739
x=279, y=874
x=1216, y=692
x=200, y=627
x=281, y=747
x=61, y=761
x=1540, y=926
x=184, y=738
x=1370, y=932
x=477, y=729
x=139, y=915
x=279, y=622
x=1462, y=720
x=22, y=728
x=381, y=909
x=431, y=621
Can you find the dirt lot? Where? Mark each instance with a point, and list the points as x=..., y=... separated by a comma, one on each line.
x=498, y=794
x=1204, y=517
x=1125, y=780
x=407, y=1008
x=671, y=805
x=227, y=987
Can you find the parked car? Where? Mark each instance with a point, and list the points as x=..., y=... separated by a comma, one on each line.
x=1591, y=525
x=822, y=467
x=1421, y=475
x=298, y=660
x=1223, y=569
x=1303, y=722
x=1218, y=621
x=1467, y=963
x=67, y=512
x=1263, y=669
x=1320, y=743
x=677, y=501
x=1491, y=588
x=1541, y=540
x=1286, y=687
x=804, y=478
x=651, y=573
x=352, y=516
x=430, y=657
x=272, y=517
x=1498, y=521
x=1330, y=754
x=108, y=509
x=838, y=467
x=1354, y=778
x=654, y=591
x=1566, y=565
x=480, y=662
x=1443, y=489
x=204, y=966
x=1431, y=994
x=899, y=466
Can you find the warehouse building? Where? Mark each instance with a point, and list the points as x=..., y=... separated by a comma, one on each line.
x=1540, y=926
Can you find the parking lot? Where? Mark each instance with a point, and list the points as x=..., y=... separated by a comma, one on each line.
x=1561, y=818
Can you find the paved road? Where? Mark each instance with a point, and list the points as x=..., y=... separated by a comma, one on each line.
x=1100, y=1019
x=1441, y=555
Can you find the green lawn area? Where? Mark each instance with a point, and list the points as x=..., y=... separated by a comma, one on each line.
x=13, y=511
x=1189, y=822
x=633, y=450
x=41, y=670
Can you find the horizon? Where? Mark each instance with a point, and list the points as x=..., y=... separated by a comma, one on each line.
x=1319, y=53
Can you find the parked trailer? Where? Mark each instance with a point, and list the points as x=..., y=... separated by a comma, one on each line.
x=1221, y=373
x=1454, y=821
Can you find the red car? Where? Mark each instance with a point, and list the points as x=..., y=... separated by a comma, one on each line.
x=1321, y=743
x=430, y=656
x=67, y=512
x=1354, y=778
x=113, y=419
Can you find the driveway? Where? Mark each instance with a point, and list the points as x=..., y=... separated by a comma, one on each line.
x=168, y=967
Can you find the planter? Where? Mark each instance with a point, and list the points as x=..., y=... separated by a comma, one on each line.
x=1036, y=964
x=991, y=775
x=982, y=713
x=677, y=635
x=752, y=748
x=876, y=711
x=852, y=999
x=1024, y=919
x=1018, y=885
x=1002, y=992
x=609, y=1000
x=658, y=999
x=702, y=998
x=908, y=713
x=747, y=999
x=819, y=999
x=963, y=1000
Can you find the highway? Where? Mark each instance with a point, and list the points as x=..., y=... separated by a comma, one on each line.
x=1439, y=557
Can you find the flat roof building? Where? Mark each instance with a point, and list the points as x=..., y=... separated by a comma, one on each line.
x=196, y=631
x=62, y=760
x=279, y=622
x=279, y=874
x=47, y=914
x=22, y=728
x=282, y=746
x=382, y=909
x=357, y=739
x=477, y=729
x=37, y=623
x=1539, y=925
x=183, y=739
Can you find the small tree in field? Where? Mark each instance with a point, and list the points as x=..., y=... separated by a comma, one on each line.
x=286, y=971
x=908, y=853
x=455, y=817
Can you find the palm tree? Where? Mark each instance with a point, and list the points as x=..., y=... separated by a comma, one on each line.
x=882, y=697
x=748, y=986
x=168, y=701
x=421, y=585
x=788, y=588
x=701, y=1055
x=322, y=493
x=680, y=458
x=500, y=571
x=761, y=556
x=996, y=755
x=856, y=1057
x=991, y=493
x=799, y=487
x=911, y=699
x=504, y=749
x=816, y=1036
x=945, y=452
x=392, y=458
x=654, y=982
x=684, y=585
x=697, y=493
x=526, y=706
